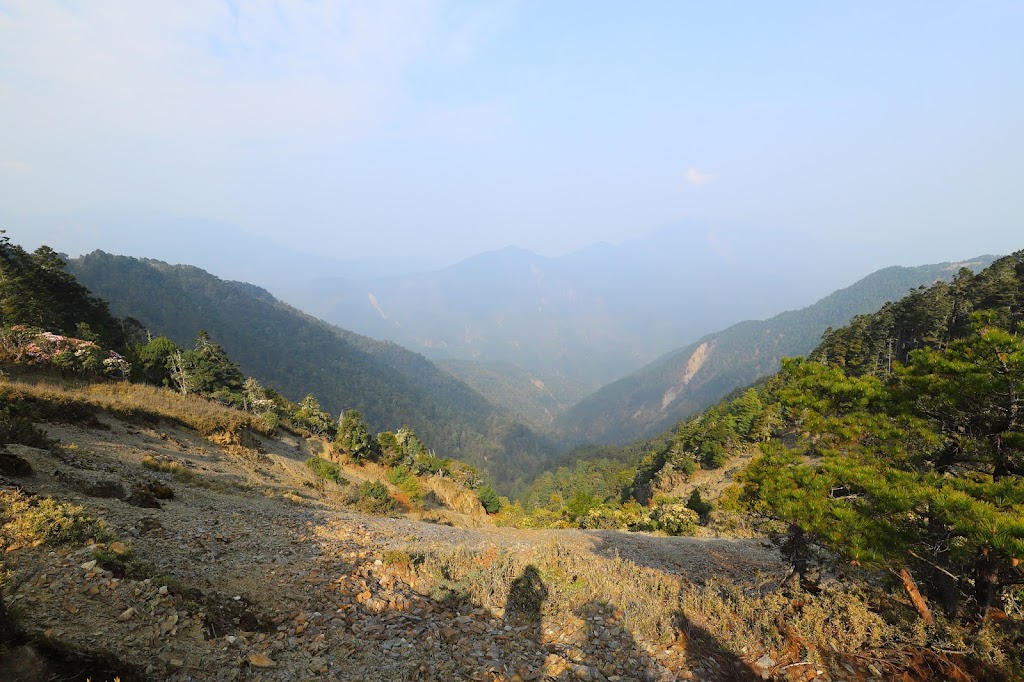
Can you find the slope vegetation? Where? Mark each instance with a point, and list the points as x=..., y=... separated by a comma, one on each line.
x=698, y=375
x=299, y=354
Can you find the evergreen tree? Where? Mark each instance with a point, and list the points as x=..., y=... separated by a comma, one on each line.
x=354, y=437
x=311, y=416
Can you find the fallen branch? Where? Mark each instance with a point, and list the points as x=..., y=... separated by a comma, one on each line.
x=920, y=603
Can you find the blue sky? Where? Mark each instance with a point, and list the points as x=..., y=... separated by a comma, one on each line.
x=437, y=130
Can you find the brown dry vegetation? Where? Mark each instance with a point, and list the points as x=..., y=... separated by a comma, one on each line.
x=133, y=402
x=710, y=607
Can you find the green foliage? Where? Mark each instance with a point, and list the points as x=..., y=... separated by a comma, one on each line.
x=209, y=371
x=879, y=490
x=329, y=471
x=599, y=480
x=37, y=291
x=707, y=438
x=406, y=481
x=675, y=519
x=45, y=520
x=389, y=448
x=974, y=390
x=300, y=355
x=374, y=490
x=152, y=361
x=354, y=437
x=312, y=417
x=698, y=505
x=489, y=499
x=17, y=423
x=374, y=498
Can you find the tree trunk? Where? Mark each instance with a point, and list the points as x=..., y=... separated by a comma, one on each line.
x=986, y=582
x=916, y=597
x=949, y=590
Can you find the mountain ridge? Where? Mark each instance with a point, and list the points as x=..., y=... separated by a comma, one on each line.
x=592, y=315
x=389, y=384
x=647, y=402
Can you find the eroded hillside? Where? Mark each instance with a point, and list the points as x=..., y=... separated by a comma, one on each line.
x=225, y=557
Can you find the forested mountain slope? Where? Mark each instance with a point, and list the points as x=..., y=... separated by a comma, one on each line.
x=299, y=354
x=535, y=398
x=36, y=291
x=591, y=316
x=898, y=443
x=694, y=377
x=891, y=460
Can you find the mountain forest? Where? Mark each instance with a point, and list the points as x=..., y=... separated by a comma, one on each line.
x=199, y=481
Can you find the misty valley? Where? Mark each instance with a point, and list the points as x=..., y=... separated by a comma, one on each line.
x=831, y=492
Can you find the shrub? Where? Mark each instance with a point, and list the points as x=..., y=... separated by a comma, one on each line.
x=124, y=564
x=675, y=519
x=489, y=499
x=697, y=504
x=329, y=471
x=406, y=482
x=374, y=498
x=48, y=521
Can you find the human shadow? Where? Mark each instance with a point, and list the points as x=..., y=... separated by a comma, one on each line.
x=710, y=660
x=602, y=646
x=525, y=603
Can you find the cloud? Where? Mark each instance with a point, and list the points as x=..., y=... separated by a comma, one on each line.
x=280, y=69
x=14, y=166
x=696, y=177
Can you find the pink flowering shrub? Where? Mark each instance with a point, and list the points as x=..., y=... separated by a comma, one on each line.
x=27, y=345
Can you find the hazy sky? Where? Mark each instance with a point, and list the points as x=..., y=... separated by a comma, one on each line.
x=443, y=129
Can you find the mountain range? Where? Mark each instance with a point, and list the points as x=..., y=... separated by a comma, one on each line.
x=591, y=316
x=699, y=374
x=296, y=353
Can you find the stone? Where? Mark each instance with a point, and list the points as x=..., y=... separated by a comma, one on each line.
x=261, y=661
x=127, y=614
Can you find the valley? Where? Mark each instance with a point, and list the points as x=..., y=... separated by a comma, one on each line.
x=501, y=341
x=163, y=516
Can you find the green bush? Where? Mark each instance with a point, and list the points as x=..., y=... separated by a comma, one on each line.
x=374, y=498
x=44, y=519
x=407, y=482
x=675, y=519
x=329, y=471
x=489, y=499
x=697, y=504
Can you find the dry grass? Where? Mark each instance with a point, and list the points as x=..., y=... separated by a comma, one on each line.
x=745, y=620
x=176, y=469
x=28, y=520
x=132, y=402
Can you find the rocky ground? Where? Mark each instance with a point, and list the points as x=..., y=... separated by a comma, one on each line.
x=256, y=575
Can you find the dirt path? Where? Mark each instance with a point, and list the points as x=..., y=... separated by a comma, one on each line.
x=254, y=576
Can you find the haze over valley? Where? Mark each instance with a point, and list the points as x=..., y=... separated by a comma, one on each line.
x=511, y=341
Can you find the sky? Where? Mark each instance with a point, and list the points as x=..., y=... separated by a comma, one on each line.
x=436, y=130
